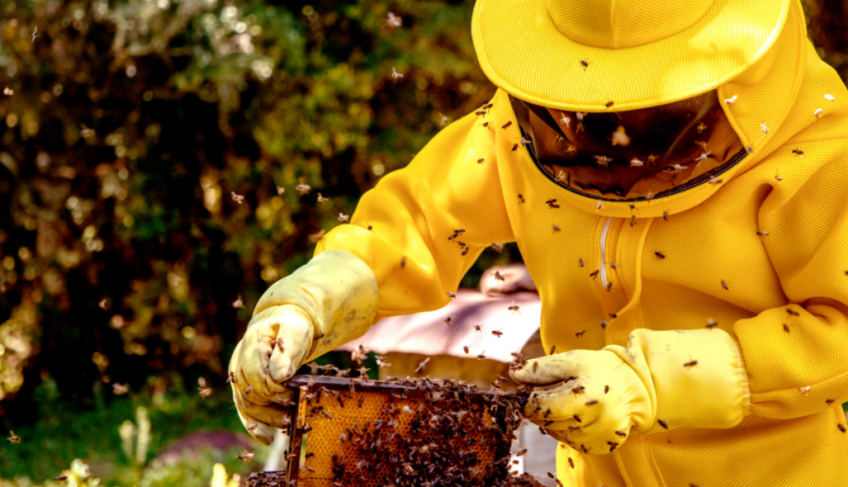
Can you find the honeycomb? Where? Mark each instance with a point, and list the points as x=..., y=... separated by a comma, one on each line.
x=413, y=432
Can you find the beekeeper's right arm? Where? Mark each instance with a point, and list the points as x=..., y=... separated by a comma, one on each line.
x=410, y=241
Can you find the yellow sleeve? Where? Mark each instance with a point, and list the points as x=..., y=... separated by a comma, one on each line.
x=422, y=227
x=804, y=344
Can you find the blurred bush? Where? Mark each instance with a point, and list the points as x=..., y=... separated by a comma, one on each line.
x=149, y=159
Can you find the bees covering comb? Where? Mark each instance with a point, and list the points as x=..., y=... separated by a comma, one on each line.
x=400, y=432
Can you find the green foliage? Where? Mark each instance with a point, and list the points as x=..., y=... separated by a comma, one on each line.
x=135, y=128
x=64, y=434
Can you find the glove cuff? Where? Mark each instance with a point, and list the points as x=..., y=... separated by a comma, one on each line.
x=698, y=378
x=337, y=290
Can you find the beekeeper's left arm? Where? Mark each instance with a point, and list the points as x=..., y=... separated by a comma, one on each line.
x=802, y=368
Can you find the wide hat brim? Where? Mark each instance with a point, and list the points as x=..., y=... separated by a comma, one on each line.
x=522, y=52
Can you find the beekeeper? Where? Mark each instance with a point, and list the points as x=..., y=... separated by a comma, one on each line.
x=674, y=174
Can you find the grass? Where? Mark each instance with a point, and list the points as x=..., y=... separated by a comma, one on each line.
x=63, y=433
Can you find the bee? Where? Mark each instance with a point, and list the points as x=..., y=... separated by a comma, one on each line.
x=506, y=125
x=574, y=427
x=370, y=227
x=841, y=428
x=792, y=312
x=403, y=263
x=395, y=74
x=665, y=215
x=553, y=350
x=604, y=324
x=724, y=285
x=481, y=356
x=580, y=333
x=786, y=328
x=804, y=390
x=612, y=445
x=420, y=367
x=248, y=390
x=466, y=349
x=662, y=423
x=514, y=308
x=691, y=363
x=798, y=152
x=701, y=127
x=585, y=450
x=394, y=21
x=317, y=337
x=552, y=203
x=448, y=320
x=570, y=462
x=711, y=324
x=830, y=401
x=343, y=217
x=237, y=197
x=576, y=417
x=13, y=438
x=480, y=112
x=451, y=295
x=303, y=188
x=778, y=177
x=480, y=160
x=580, y=262
x=762, y=234
x=578, y=390
x=497, y=333
x=608, y=104
x=485, y=124
x=61, y=478
x=245, y=456
x=592, y=402
x=204, y=393
x=594, y=274
x=599, y=205
x=515, y=148
x=520, y=199
x=584, y=63
x=521, y=453
x=556, y=228
x=621, y=433
x=465, y=250
x=478, y=327
x=660, y=255
x=714, y=180
x=232, y=378
x=603, y=160
x=498, y=247
x=322, y=199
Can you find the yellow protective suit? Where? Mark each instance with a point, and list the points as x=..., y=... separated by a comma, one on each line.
x=794, y=186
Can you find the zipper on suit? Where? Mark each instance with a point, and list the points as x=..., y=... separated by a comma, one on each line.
x=604, y=234
x=605, y=282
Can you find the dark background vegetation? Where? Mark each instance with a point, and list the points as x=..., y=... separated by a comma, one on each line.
x=127, y=128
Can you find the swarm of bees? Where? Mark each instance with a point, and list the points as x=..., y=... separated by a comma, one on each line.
x=361, y=433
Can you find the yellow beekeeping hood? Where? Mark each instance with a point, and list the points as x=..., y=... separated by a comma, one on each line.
x=599, y=55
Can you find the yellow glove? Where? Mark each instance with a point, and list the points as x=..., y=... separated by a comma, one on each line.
x=327, y=302
x=664, y=379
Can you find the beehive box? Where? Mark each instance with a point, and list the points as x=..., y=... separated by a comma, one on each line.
x=400, y=432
